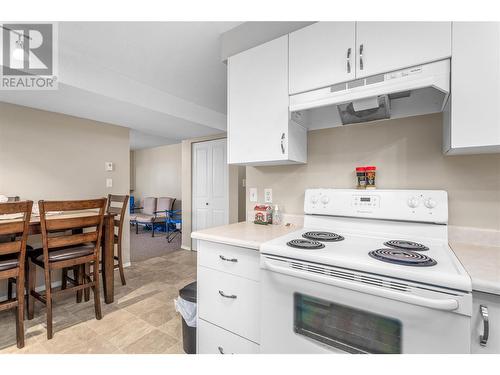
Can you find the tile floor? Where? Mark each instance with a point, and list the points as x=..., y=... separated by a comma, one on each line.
x=141, y=320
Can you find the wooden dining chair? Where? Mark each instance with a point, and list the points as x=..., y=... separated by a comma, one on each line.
x=117, y=204
x=77, y=249
x=12, y=258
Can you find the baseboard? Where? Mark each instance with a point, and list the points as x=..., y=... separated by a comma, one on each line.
x=185, y=247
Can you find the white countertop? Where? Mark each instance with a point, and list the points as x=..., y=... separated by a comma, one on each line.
x=244, y=234
x=482, y=263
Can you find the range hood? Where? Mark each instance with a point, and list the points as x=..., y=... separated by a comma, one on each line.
x=408, y=92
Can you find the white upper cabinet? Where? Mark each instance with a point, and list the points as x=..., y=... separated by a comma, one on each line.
x=322, y=54
x=472, y=117
x=386, y=46
x=259, y=129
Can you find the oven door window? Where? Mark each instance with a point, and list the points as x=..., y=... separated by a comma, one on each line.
x=344, y=327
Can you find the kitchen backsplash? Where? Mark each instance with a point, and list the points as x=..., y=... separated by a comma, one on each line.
x=407, y=153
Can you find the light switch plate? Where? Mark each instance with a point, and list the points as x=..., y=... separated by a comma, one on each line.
x=268, y=195
x=109, y=182
x=253, y=194
x=108, y=166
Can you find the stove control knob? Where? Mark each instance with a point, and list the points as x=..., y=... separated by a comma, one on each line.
x=430, y=203
x=413, y=202
x=314, y=199
x=325, y=199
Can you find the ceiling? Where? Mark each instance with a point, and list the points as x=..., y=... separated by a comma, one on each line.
x=164, y=80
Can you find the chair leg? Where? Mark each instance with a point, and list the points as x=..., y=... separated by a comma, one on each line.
x=86, y=273
x=20, y=313
x=9, y=289
x=79, y=280
x=48, y=297
x=26, y=283
x=120, y=264
x=96, y=290
x=136, y=227
x=31, y=288
x=64, y=281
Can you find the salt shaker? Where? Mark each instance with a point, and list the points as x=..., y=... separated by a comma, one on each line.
x=277, y=217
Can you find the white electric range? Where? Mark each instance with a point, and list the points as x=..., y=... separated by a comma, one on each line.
x=370, y=272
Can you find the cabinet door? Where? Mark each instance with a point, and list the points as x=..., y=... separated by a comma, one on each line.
x=491, y=306
x=386, y=46
x=321, y=54
x=258, y=103
x=215, y=340
x=472, y=123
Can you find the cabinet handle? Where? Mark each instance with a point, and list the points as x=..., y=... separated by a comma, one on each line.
x=234, y=260
x=283, y=143
x=221, y=349
x=348, y=60
x=232, y=296
x=483, y=339
x=360, y=57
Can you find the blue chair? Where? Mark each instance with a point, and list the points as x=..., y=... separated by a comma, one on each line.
x=173, y=224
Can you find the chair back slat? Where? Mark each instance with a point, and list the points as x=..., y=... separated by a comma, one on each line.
x=11, y=228
x=115, y=210
x=71, y=240
x=72, y=223
x=13, y=208
x=10, y=247
x=87, y=204
x=118, y=198
x=88, y=221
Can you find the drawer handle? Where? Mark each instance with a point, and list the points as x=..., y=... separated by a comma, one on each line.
x=483, y=339
x=234, y=260
x=232, y=296
x=221, y=350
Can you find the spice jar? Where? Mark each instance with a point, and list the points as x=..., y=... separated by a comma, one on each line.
x=361, y=177
x=370, y=177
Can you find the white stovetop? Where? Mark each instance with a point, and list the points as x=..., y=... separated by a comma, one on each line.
x=352, y=253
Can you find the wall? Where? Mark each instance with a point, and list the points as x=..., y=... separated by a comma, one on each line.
x=407, y=153
x=187, y=188
x=46, y=155
x=157, y=172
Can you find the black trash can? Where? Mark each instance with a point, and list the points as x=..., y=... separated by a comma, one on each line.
x=188, y=293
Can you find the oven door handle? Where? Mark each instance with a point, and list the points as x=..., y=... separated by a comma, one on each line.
x=448, y=304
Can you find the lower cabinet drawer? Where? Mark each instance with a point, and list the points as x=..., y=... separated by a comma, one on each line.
x=230, y=302
x=215, y=340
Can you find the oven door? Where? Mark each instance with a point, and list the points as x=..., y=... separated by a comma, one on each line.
x=308, y=308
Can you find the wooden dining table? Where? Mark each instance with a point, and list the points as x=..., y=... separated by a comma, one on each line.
x=107, y=250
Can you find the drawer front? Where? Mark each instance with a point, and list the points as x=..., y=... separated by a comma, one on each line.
x=215, y=340
x=229, y=302
x=238, y=261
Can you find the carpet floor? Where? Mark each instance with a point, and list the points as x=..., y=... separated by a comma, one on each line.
x=143, y=246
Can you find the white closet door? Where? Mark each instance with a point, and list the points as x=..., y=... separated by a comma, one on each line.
x=210, y=184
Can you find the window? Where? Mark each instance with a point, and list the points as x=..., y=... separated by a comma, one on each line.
x=346, y=328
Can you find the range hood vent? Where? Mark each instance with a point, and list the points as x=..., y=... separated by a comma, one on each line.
x=418, y=90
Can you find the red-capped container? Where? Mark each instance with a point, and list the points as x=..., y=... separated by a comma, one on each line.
x=370, y=177
x=361, y=177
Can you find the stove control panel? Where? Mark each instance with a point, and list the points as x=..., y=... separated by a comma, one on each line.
x=404, y=205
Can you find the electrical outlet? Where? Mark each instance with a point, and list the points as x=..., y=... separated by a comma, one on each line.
x=268, y=195
x=253, y=194
x=109, y=182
